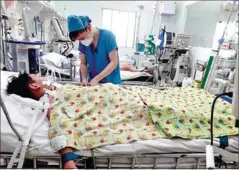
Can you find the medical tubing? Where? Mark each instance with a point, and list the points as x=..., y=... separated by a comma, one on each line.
x=14, y=155
x=41, y=120
x=30, y=130
x=34, y=105
x=9, y=119
x=45, y=101
x=22, y=156
x=25, y=141
x=212, y=110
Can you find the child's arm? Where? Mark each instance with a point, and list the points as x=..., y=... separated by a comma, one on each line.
x=51, y=100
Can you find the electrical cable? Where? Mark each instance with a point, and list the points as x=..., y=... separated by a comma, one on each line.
x=212, y=110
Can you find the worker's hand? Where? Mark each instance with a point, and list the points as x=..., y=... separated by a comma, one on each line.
x=84, y=83
x=94, y=81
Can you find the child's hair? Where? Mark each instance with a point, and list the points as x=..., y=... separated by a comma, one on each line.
x=19, y=86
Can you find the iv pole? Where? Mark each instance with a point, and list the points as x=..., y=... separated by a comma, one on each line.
x=141, y=7
x=3, y=33
x=235, y=101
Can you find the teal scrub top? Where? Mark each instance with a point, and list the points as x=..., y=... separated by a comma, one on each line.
x=98, y=58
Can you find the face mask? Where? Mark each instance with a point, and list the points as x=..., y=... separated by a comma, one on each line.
x=87, y=41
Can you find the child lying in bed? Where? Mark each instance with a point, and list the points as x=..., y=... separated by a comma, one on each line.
x=31, y=86
x=90, y=117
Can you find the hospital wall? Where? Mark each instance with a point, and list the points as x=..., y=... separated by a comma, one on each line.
x=201, y=21
x=94, y=10
x=181, y=15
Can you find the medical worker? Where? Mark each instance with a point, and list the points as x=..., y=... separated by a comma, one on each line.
x=99, y=51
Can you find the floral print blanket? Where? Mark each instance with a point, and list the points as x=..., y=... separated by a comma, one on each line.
x=91, y=117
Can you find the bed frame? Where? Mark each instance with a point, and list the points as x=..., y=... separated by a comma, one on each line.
x=116, y=161
x=142, y=161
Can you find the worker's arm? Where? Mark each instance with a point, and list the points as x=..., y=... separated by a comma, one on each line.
x=110, y=67
x=83, y=68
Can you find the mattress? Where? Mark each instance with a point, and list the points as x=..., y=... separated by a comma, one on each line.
x=40, y=143
x=40, y=146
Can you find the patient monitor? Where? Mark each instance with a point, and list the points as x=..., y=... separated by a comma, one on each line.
x=182, y=41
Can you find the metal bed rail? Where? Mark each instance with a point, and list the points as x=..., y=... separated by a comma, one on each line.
x=142, y=161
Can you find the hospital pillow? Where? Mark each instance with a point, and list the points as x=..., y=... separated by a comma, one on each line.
x=4, y=78
x=20, y=116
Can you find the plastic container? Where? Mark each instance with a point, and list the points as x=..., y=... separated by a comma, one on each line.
x=187, y=82
x=197, y=84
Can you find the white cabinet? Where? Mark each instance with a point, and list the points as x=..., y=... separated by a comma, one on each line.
x=167, y=8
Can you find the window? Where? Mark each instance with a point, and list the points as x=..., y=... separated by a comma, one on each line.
x=122, y=24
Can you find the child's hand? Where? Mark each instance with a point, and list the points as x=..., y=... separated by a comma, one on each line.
x=51, y=99
x=51, y=88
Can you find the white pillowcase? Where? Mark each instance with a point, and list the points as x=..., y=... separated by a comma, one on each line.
x=4, y=78
x=21, y=116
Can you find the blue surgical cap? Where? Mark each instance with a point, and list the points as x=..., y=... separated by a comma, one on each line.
x=77, y=23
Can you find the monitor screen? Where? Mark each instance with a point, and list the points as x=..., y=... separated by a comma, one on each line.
x=170, y=38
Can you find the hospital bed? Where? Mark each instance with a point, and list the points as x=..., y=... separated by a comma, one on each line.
x=52, y=62
x=151, y=154
x=140, y=77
